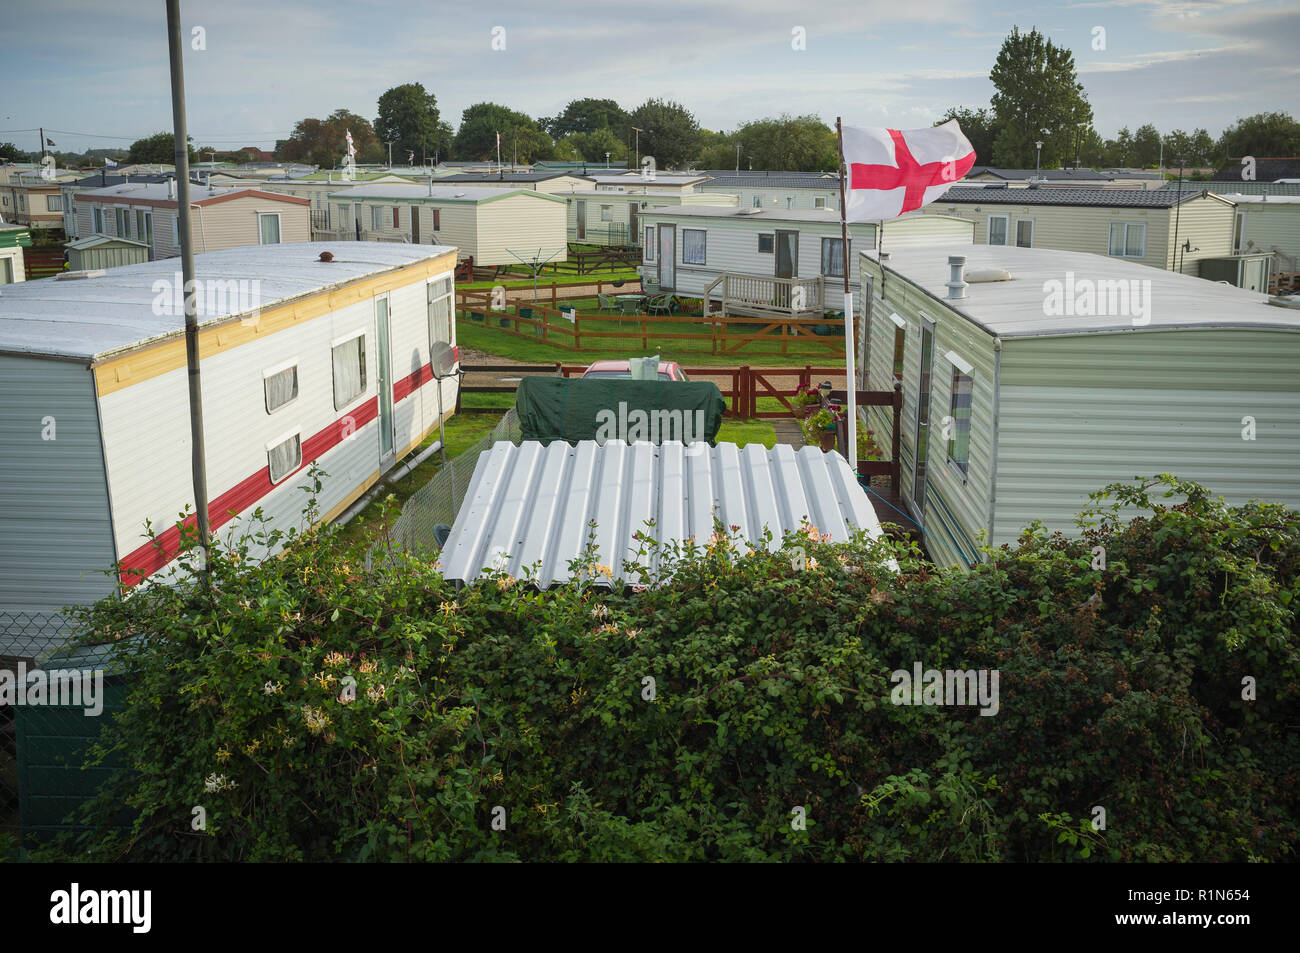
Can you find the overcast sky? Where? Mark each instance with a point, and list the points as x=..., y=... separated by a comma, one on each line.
x=97, y=69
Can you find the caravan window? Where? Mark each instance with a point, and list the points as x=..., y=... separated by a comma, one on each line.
x=693, y=246
x=397, y=217
x=1128, y=239
x=376, y=217
x=766, y=244
x=997, y=229
x=607, y=213
x=280, y=386
x=97, y=220
x=1025, y=232
x=440, y=309
x=819, y=201
x=649, y=243
x=833, y=257
x=437, y=219
x=284, y=457
x=269, y=227
x=959, y=411
x=349, y=359
x=758, y=200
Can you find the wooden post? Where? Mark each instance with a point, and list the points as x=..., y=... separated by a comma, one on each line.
x=577, y=337
x=554, y=296
x=895, y=476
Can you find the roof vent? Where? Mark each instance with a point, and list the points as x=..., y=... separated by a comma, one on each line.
x=79, y=275
x=956, y=286
x=326, y=256
x=981, y=275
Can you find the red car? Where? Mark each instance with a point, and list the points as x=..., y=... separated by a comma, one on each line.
x=668, y=370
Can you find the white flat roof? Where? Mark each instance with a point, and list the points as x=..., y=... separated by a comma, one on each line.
x=1025, y=305
x=93, y=318
x=459, y=192
x=1260, y=199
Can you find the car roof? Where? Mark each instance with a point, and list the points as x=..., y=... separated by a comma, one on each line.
x=611, y=365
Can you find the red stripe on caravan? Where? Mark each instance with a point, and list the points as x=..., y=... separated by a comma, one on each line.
x=412, y=382
x=157, y=553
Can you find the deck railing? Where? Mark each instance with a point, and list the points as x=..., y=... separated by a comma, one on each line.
x=766, y=295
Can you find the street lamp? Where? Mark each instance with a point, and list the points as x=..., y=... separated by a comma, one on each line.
x=606, y=161
x=1038, y=146
x=390, y=153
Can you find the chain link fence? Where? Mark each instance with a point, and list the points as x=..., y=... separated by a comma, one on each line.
x=25, y=638
x=428, y=514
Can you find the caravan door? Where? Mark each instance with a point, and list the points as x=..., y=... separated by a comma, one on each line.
x=923, y=418
x=667, y=257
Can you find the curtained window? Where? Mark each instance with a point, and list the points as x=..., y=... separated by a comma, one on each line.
x=281, y=388
x=349, y=371
x=959, y=409
x=270, y=228
x=693, y=246
x=833, y=257
x=440, y=312
x=284, y=458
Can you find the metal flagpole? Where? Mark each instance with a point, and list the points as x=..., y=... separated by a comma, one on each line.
x=850, y=369
x=198, y=460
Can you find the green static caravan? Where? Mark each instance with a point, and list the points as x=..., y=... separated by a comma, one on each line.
x=1034, y=377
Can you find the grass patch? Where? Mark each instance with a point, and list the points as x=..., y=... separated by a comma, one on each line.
x=741, y=432
x=481, y=337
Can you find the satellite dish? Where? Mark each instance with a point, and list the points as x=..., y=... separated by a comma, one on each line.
x=443, y=360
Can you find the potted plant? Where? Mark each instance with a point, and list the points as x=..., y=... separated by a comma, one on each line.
x=868, y=450
x=820, y=429
x=805, y=401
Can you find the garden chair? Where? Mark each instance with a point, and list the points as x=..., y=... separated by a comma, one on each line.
x=629, y=307
x=660, y=304
x=607, y=303
x=650, y=285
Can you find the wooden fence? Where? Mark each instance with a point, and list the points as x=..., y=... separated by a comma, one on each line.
x=42, y=262
x=568, y=329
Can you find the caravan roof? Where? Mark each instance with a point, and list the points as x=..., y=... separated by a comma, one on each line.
x=114, y=311
x=1019, y=307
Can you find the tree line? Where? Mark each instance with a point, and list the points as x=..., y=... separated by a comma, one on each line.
x=1038, y=116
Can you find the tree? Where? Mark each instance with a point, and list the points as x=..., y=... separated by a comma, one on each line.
x=1038, y=98
x=408, y=117
x=1146, y=145
x=1272, y=135
x=591, y=147
x=668, y=132
x=586, y=116
x=788, y=144
x=979, y=126
x=1202, y=148
x=1119, y=151
x=521, y=139
x=323, y=142
x=717, y=150
x=11, y=153
x=159, y=148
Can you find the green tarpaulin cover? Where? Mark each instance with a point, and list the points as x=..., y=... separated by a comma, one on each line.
x=602, y=409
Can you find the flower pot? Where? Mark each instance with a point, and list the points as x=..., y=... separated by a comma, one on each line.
x=828, y=440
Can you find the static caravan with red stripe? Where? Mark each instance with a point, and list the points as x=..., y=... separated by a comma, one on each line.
x=303, y=361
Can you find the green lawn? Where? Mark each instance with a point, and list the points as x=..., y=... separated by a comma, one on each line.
x=483, y=336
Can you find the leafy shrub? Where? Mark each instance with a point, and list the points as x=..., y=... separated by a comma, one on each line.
x=1120, y=687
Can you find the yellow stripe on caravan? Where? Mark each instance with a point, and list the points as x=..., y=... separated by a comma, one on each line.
x=152, y=360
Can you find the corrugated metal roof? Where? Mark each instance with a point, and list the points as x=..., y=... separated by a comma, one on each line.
x=1019, y=307
x=529, y=506
x=116, y=312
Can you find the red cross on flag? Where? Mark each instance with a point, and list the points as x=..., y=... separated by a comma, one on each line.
x=892, y=171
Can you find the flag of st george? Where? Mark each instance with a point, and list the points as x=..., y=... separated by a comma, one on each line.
x=889, y=171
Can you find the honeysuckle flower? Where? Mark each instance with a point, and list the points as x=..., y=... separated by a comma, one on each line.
x=271, y=688
x=376, y=693
x=335, y=659
x=448, y=608
x=600, y=611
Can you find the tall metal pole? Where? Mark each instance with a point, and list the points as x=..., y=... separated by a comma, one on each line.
x=198, y=462
x=850, y=369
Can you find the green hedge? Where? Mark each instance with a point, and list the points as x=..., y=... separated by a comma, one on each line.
x=1120, y=688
